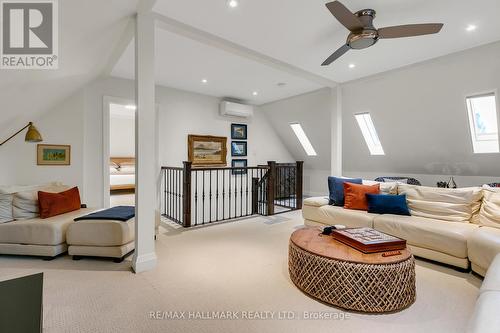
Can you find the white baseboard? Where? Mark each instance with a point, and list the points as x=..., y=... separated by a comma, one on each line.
x=145, y=262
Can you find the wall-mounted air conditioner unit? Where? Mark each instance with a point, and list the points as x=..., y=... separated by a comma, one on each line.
x=235, y=109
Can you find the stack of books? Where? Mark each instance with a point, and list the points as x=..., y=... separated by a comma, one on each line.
x=368, y=240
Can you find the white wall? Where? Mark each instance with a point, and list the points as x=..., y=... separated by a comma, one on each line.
x=122, y=133
x=180, y=113
x=314, y=112
x=62, y=125
x=421, y=118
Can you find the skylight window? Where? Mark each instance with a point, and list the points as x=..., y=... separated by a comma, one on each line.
x=483, y=123
x=303, y=139
x=369, y=133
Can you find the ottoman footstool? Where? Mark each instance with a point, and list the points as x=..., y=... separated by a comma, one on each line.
x=101, y=238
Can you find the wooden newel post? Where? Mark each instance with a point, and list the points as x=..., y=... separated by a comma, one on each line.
x=271, y=182
x=299, y=178
x=186, y=198
x=255, y=195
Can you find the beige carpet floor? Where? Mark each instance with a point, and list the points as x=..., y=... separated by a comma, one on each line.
x=236, y=267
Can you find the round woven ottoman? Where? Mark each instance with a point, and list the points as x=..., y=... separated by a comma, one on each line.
x=337, y=274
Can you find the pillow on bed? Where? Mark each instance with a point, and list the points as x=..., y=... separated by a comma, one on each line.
x=127, y=169
x=53, y=204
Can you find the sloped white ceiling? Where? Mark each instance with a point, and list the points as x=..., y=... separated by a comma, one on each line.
x=182, y=63
x=304, y=33
x=421, y=116
x=88, y=32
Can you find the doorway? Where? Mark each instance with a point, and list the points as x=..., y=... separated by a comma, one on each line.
x=119, y=152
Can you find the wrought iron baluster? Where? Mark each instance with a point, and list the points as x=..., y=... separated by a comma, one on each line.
x=203, y=199
x=195, y=197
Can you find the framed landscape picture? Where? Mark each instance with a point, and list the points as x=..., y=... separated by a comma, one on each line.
x=239, y=131
x=238, y=148
x=53, y=155
x=239, y=164
x=205, y=150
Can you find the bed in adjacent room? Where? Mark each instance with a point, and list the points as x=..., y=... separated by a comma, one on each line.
x=122, y=173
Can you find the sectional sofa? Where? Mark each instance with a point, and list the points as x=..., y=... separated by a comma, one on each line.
x=23, y=232
x=458, y=227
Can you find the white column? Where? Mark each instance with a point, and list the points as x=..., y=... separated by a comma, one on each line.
x=336, y=131
x=145, y=152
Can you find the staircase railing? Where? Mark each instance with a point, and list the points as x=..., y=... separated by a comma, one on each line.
x=197, y=196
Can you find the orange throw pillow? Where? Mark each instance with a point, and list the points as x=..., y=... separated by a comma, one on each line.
x=52, y=204
x=355, y=195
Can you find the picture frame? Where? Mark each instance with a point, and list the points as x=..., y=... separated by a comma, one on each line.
x=239, y=131
x=239, y=163
x=206, y=150
x=53, y=154
x=238, y=148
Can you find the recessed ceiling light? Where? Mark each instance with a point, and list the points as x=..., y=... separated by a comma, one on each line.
x=471, y=27
x=204, y=81
x=255, y=93
x=352, y=66
x=232, y=3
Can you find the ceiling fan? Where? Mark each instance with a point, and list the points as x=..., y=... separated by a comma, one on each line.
x=364, y=34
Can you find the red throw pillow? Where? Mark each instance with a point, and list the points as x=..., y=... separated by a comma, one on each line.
x=52, y=204
x=355, y=195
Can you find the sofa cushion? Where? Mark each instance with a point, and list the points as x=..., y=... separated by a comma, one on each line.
x=489, y=215
x=53, y=204
x=336, y=188
x=483, y=246
x=316, y=201
x=355, y=195
x=6, y=208
x=437, y=235
x=50, y=231
x=385, y=187
x=25, y=203
x=456, y=205
x=492, y=279
x=101, y=232
x=387, y=204
x=330, y=215
x=485, y=318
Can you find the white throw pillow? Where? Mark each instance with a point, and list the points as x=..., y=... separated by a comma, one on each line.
x=385, y=187
x=25, y=203
x=489, y=215
x=455, y=205
x=6, y=208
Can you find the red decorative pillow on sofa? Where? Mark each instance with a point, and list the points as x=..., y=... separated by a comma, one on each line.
x=52, y=204
x=355, y=195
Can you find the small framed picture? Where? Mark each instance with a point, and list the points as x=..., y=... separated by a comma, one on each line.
x=238, y=131
x=239, y=164
x=53, y=154
x=238, y=148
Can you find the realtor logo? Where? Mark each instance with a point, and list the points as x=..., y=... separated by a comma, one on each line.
x=29, y=37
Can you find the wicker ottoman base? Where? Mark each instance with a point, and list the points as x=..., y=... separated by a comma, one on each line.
x=374, y=288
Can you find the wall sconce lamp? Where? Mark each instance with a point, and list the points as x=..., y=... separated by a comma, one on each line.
x=32, y=135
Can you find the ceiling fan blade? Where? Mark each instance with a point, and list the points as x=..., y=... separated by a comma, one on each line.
x=337, y=54
x=344, y=16
x=409, y=30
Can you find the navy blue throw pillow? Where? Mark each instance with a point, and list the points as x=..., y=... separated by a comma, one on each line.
x=336, y=187
x=387, y=204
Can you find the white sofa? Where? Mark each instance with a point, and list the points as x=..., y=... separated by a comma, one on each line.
x=36, y=236
x=449, y=226
x=485, y=318
x=23, y=232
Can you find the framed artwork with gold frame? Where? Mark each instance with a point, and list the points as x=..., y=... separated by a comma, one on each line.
x=53, y=154
x=206, y=150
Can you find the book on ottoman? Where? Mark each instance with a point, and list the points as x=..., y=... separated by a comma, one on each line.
x=368, y=240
